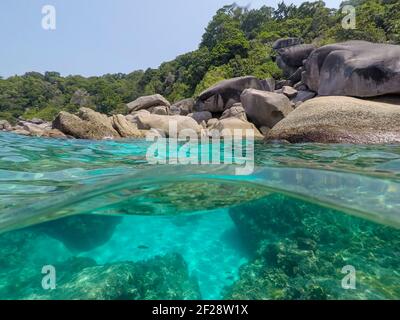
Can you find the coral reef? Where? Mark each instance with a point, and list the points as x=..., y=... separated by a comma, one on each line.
x=300, y=248
x=163, y=278
x=160, y=278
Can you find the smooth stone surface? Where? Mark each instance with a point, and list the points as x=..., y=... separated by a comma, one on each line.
x=200, y=116
x=162, y=123
x=303, y=96
x=237, y=111
x=226, y=93
x=265, y=108
x=230, y=124
x=147, y=102
x=184, y=107
x=89, y=125
x=125, y=128
x=161, y=110
x=354, y=68
x=286, y=42
x=289, y=92
x=341, y=120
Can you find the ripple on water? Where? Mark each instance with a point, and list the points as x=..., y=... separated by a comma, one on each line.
x=14, y=159
x=59, y=178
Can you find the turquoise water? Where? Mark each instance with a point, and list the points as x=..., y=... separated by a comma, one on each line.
x=115, y=227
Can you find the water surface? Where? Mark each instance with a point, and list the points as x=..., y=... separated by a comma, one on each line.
x=116, y=227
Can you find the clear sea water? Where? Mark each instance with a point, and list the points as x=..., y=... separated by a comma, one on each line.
x=115, y=227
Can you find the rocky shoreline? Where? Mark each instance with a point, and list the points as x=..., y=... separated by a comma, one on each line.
x=338, y=93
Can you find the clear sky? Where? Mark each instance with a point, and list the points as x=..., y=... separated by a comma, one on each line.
x=94, y=37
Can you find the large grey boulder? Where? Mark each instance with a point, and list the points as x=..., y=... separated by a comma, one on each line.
x=341, y=120
x=162, y=110
x=286, y=42
x=237, y=111
x=163, y=123
x=147, y=102
x=88, y=125
x=183, y=107
x=201, y=116
x=354, y=68
x=303, y=96
x=227, y=92
x=291, y=60
x=295, y=55
x=265, y=109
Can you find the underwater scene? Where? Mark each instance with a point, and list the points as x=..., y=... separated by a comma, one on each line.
x=313, y=221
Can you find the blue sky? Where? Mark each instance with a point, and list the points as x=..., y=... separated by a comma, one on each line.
x=95, y=37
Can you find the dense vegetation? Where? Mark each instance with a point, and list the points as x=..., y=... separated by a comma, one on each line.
x=236, y=42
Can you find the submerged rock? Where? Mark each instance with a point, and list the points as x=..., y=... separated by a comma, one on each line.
x=354, y=68
x=341, y=120
x=23, y=254
x=83, y=232
x=161, y=278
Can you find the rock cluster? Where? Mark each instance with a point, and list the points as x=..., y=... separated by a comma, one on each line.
x=34, y=127
x=276, y=110
x=342, y=73
x=89, y=124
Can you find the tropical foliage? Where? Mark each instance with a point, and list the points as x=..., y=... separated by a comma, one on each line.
x=236, y=42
